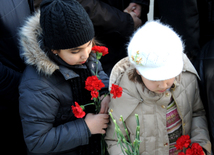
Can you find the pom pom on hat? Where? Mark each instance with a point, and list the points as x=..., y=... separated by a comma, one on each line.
x=156, y=51
x=65, y=24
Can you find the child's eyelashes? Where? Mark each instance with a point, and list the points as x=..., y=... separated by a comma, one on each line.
x=75, y=52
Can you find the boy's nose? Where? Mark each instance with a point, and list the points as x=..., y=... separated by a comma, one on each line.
x=84, y=55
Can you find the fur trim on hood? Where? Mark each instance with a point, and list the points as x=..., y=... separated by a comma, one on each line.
x=30, y=46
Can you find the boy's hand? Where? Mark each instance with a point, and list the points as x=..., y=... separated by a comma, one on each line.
x=104, y=104
x=97, y=123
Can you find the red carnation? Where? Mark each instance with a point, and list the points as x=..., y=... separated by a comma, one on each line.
x=189, y=152
x=197, y=149
x=93, y=83
x=100, y=49
x=94, y=94
x=182, y=141
x=181, y=153
x=78, y=110
x=116, y=91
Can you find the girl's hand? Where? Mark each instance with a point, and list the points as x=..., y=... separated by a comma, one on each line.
x=204, y=153
x=97, y=123
x=104, y=104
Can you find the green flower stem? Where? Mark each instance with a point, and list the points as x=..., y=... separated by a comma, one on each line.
x=124, y=125
x=89, y=104
x=121, y=139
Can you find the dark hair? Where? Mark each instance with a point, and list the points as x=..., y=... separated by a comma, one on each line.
x=134, y=76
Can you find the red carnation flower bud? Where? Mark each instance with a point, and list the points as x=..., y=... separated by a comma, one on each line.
x=116, y=91
x=78, y=110
x=93, y=83
x=183, y=141
x=197, y=149
x=94, y=94
x=100, y=49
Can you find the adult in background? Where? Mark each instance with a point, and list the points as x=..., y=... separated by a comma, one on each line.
x=114, y=22
x=206, y=73
x=183, y=16
x=204, y=62
x=12, y=15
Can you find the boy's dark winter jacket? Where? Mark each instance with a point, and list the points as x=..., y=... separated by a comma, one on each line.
x=46, y=96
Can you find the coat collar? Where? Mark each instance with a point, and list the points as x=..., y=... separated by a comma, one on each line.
x=34, y=55
x=31, y=51
x=119, y=76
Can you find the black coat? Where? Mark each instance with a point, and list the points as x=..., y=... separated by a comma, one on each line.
x=206, y=19
x=12, y=16
x=205, y=68
x=46, y=96
x=113, y=27
x=183, y=16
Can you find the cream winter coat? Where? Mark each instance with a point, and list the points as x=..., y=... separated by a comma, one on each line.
x=151, y=108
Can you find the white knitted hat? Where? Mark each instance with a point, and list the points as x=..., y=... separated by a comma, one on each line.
x=156, y=51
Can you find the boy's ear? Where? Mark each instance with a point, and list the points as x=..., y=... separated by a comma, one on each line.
x=54, y=51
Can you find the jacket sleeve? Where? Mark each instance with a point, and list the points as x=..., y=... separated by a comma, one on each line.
x=111, y=137
x=115, y=108
x=108, y=19
x=38, y=108
x=105, y=79
x=9, y=81
x=199, y=130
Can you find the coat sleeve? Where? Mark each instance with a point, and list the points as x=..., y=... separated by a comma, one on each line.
x=103, y=76
x=111, y=137
x=108, y=19
x=38, y=108
x=119, y=106
x=9, y=81
x=199, y=129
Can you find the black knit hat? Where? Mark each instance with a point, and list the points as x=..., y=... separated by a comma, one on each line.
x=65, y=24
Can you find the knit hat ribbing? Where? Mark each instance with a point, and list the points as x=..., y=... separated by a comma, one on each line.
x=65, y=24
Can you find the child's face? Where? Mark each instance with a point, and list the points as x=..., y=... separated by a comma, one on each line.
x=157, y=86
x=77, y=55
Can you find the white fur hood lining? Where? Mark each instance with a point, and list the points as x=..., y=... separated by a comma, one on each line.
x=30, y=46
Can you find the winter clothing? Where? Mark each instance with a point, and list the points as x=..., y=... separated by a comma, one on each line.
x=46, y=96
x=75, y=29
x=184, y=18
x=12, y=15
x=112, y=26
x=206, y=20
x=206, y=73
x=151, y=108
x=152, y=50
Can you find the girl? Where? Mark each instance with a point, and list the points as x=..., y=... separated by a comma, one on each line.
x=160, y=85
x=56, y=46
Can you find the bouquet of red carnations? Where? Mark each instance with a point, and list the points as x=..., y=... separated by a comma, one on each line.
x=184, y=141
x=94, y=85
